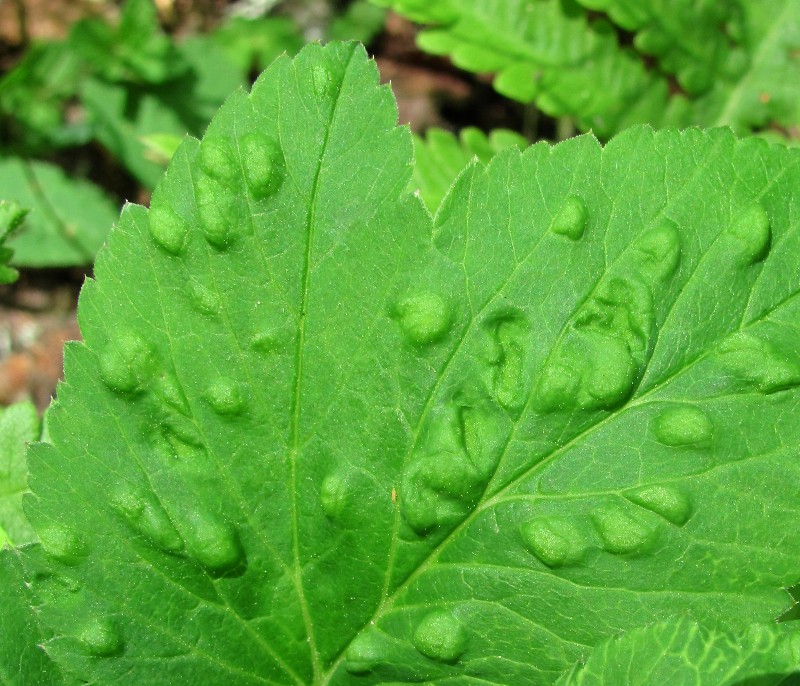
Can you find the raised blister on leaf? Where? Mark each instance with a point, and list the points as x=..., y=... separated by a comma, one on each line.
x=365, y=653
x=323, y=81
x=556, y=541
x=100, y=637
x=67, y=546
x=622, y=533
x=168, y=229
x=424, y=318
x=218, y=160
x=127, y=363
x=217, y=209
x=683, y=426
x=173, y=394
x=225, y=397
x=507, y=333
x=212, y=542
x=670, y=502
x=751, y=234
x=757, y=363
x=264, y=165
x=570, y=220
x=334, y=494
x=145, y=516
x=450, y=468
x=441, y=636
x=204, y=297
x=598, y=360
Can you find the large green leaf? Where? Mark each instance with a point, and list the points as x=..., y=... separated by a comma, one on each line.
x=313, y=438
x=681, y=653
x=735, y=61
x=19, y=425
x=68, y=219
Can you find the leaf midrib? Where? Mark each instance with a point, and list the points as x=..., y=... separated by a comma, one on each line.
x=294, y=442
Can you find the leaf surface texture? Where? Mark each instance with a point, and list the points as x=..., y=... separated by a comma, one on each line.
x=682, y=653
x=342, y=444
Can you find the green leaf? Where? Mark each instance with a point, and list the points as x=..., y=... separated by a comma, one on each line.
x=23, y=662
x=251, y=44
x=136, y=50
x=696, y=41
x=313, y=437
x=68, y=219
x=682, y=653
x=125, y=116
x=11, y=218
x=19, y=425
x=34, y=99
x=440, y=158
x=760, y=91
x=549, y=52
x=360, y=21
x=736, y=61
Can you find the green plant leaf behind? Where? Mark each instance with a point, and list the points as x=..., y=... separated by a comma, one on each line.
x=735, y=61
x=23, y=662
x=251, y=44
x=359, y=21
x=682, y=653
x=68, y=218
x=440, y=157
x=34, y=98
x=136, y=50
x=19, y=425
x=12, y=217
x=125, y=116
x=695, y=41
x=313, y=437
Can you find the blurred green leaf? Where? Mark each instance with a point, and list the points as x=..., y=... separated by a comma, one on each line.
x=68, y=220
x=136, y=50
x=360, y=21
x=19, y=425
x=11, y=218
x=251, y=44
x=35, y=97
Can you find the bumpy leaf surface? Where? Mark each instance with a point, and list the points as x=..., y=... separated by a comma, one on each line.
x=681, y=653
x=440, y=157
x=736, y=61
x=313, y=438
x=22, y=660
x=68, y=219
x=19, y=425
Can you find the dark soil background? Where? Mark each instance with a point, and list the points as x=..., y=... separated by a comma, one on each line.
x=38, y=312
